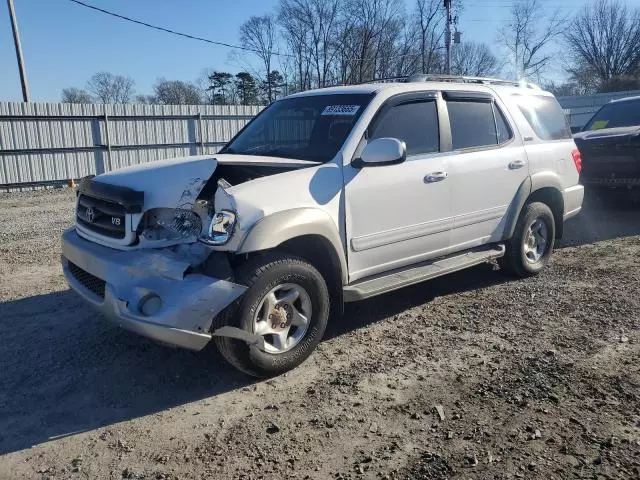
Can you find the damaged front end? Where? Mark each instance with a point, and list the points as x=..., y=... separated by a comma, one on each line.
x=143, y=251
x=151, y=292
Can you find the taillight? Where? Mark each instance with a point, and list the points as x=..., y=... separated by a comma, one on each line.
x=577, y=159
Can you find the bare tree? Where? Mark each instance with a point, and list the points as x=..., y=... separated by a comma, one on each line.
x=146, y=100
x=176, y=92
x=430, y=17
x=564, y=89
x=297, y=40
x=110, y=88
x=604, y=39
x=372, y=18
x=584, y=77
x=259, y=34
x=527, y=34
x=76, y=95
x=407, y=58
x=313, y=27
x=474, y=59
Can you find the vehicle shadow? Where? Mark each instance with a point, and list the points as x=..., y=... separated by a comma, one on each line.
x=360, y=314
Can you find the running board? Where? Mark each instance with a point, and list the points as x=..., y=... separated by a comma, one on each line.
x=420, y=272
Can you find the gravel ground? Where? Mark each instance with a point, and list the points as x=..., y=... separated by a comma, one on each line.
x=474, y=375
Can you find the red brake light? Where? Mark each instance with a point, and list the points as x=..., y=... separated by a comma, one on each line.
x=577, y=159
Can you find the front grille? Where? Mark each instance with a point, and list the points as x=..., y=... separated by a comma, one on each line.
x=101, y=216
x=89, y=281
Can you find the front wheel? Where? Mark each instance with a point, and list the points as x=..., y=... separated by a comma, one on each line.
x=530, y=248
x=287, y=304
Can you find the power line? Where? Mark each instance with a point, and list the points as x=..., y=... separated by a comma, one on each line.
x=173, y=32
x=214, y=42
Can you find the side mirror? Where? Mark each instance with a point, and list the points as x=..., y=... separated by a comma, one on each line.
x=382, y=151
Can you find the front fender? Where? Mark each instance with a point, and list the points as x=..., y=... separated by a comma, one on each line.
x=272, y=230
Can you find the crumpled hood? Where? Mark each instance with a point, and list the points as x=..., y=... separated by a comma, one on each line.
x=175, y=182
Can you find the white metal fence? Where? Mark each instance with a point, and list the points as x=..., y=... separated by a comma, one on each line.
x=579, y=109
x=43, y=143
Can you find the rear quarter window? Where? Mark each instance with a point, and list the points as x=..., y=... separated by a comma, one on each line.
x=545, y=116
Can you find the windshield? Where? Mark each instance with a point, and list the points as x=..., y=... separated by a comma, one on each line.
x=618, y=114
x=304, y=128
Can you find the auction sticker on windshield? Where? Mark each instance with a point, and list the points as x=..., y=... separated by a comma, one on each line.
x=344, y=110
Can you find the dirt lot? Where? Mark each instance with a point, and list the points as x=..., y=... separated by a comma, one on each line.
x=535, y=379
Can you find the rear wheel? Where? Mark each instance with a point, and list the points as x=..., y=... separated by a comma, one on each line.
x=530, y=248
x=287, y=304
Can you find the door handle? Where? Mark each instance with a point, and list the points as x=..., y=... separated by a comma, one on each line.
x=516, y=164
x=434, y=177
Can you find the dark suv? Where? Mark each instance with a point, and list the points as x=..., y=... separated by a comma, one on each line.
x=610, y=146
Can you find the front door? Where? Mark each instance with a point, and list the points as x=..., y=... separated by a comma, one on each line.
x=487, y=166
x=399, y=214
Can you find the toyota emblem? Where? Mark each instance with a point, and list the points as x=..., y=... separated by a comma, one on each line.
x=90, y=214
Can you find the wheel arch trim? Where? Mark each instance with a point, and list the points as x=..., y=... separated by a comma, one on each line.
x=275, y=229
x=527, y=189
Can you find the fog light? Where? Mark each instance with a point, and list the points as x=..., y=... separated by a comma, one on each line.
x=150, y=304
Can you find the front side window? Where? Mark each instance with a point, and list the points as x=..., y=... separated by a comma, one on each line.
x=614, y=115
x=415, y=123
x=304, y=128
x=545, y=116
x=472, y=124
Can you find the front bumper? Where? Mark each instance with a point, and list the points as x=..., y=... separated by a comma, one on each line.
x=573, y=197
x=118, y=281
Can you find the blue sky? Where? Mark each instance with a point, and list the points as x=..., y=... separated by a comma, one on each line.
x=64, y=43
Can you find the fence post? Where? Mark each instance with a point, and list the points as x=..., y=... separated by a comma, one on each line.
x=191, y=131
x=200, y=133
x=98, y=154
x=108, y=138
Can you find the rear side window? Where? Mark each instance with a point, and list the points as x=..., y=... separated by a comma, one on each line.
x=473, y=124
x=502, y=126
x=617, y=114
x=415, y=123
x=545, y=116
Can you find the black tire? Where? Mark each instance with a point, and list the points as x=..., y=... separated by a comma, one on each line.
x=261, y=274
x=515, y=260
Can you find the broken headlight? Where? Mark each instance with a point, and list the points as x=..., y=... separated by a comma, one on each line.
x=220, y=229
x=171, y=224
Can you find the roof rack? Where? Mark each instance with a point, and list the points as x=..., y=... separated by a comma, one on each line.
x=455, y=79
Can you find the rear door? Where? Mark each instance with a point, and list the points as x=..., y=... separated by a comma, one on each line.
x=487, y=165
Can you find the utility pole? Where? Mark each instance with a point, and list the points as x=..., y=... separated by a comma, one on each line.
x=16, y=41
x=447, y=39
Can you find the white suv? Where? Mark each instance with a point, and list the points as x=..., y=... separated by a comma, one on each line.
x=327, y=196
